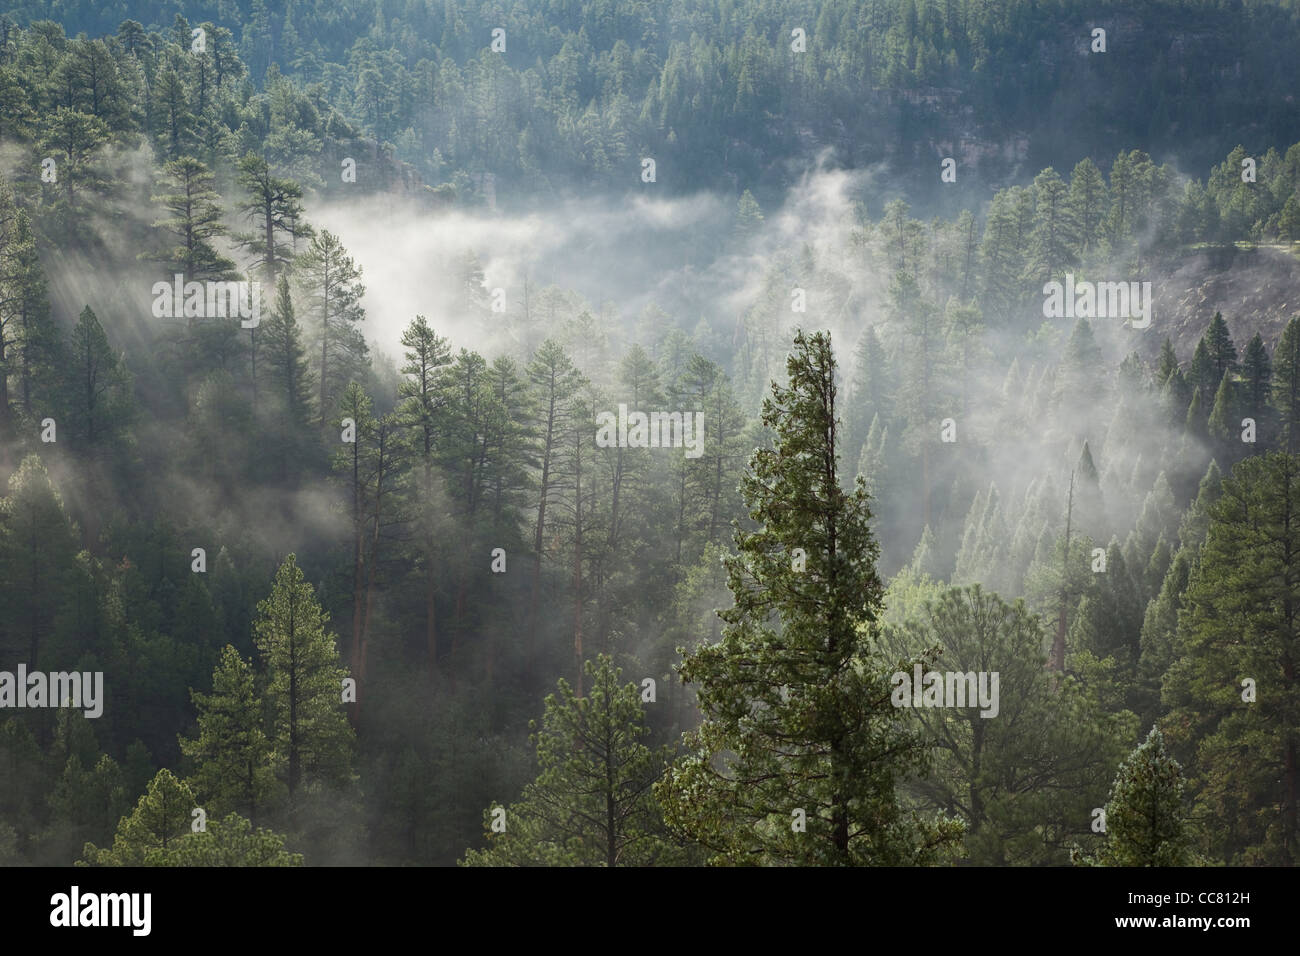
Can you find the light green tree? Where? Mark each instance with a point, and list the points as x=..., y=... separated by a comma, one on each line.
x=233, y=770
x=304, y=684
x=1145, y=817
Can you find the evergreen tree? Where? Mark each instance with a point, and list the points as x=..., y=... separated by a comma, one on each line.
x=1223, y=354
x=1222, y=425
x=232, y=755
x=1087, y=201
x=1201, y=373
x=1237, y=622
x=1257, y=376
x=230, y=841
x=797, y=663
x=1089, y=507
x=1286, y=384
x=160, y=818
x=591, y=802
x=38, y=545
x=274, y=208
x=39, y=348
x=304, y=683
x=749, y=217
x=1168, y=363
x=97, y=384
x=1055, y=228
x=978, y=774
x=72, y=138
x=1079, y=382
x=1159, y=643
x=194, y=218
x=421, y=404
x=289, y=375
x=1145, y=819
x=555, y=382
x=334, y=291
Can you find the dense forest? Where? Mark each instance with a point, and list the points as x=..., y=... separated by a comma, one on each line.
x=366, y=585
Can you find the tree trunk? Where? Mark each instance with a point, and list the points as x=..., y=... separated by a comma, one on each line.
x=357, y=562
x=577, y=561
x=1058, y=644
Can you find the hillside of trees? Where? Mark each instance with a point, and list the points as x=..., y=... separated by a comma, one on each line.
x=380, y=597
x=718, y=93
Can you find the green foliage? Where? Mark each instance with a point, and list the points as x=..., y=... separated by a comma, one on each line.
x=157, y=823
x=1145, y=816
x=304, y=684
x=231, y=841
x=1232, y=632
x=193, y=435
x=233, y=770
x=797, y=662
x=1023, y=777
x=590, y=804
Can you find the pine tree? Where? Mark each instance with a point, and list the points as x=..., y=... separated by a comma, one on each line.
x=796, y=690
x=1159, y=635
x=230, y=841
x=1114, y=627
x=591, y=802
x=1257, y=376
x=86, y=805
x=978, y=771
x=925, y=559
x=1222, y=425
x=194, y=218
x=421, y=404
x=1223, y=354
x=1002, y=254
x=1201, y=375
x=232, y=755
x=40, y=355
x=160, y=818
x=1237, y=622
x=304, y=683
x=1079, y=382
x=1175, y=399
x=1145, y=819
x=289, y=375
x=1196, y=520
x=872, y=392
x=1089, y=507
x=174, y=130
x=1055, y=228
x=333, y=285
x=1168, y=364
x=38, y=545
x=555, y=382
x=1196, y=425
x=749, y=217
x=1087, y=202
x=274, y=208
x=97, y=383
x=1286, y=384
x=968, y=244
x=72, y=138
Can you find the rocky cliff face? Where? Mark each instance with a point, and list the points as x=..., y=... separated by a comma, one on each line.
x=1257, y=290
